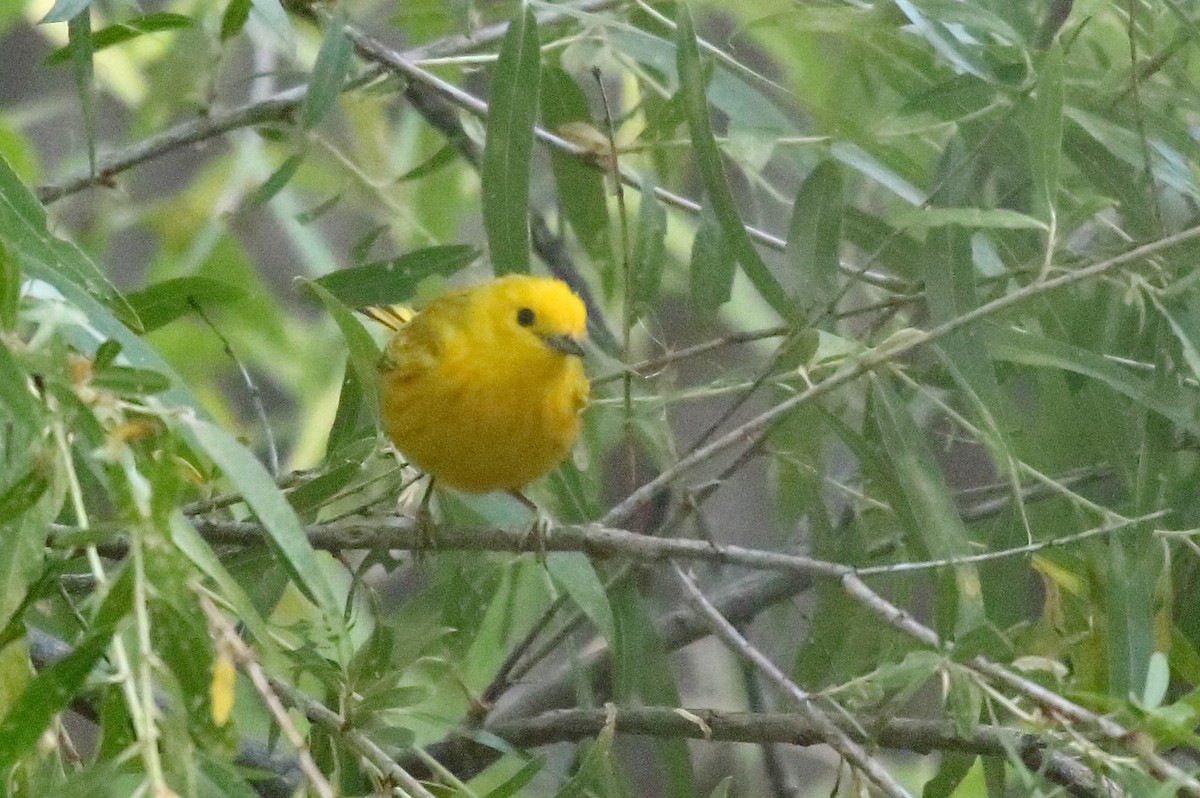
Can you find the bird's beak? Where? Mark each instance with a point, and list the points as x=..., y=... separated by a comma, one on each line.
x=564, y=344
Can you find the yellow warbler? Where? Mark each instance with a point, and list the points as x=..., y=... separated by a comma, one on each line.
x=483, y=388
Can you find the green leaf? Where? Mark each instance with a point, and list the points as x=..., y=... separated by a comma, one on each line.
x=868, y=165
x=1129, y=592
x=391, y=281
x=275, y=183
x=1047, y=133
x=329, y=73
x=952, y=769
x=1158, y=679
x=649, y=247
x=712, y=267
x=124, y=31
x=815, y=236
x=1033, y=350
x=17, y=403
x=349, y=421
x=642, y=674
x=943, y=41
x=580, y=187
x=712, y=171
x=21, y=494
x=30, y=504
x=1001, y=218
x=63, y=10
x=517, y=781
x=130, y=381
x=23, y=229
x=164, y=302
x=262, y=495
x=79, y=34
x=505, y=172
x=200, y=553
x=234, y=18
x=10, y=288
x=53, y=688
x=927, y=511
x=364, y=354
x=276, y=19
x=443, y=157
x=573, y=572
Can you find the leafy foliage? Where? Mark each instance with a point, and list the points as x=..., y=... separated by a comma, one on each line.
x=909, y=286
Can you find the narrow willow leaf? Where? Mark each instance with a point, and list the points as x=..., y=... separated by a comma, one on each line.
x=350, y=417
x=712, y=171
x=17, y=403
x=505, y=172
x=364, y=354
x=26, y=518
x=329, y=73
x=276, y=19
x=53, y=688
x=199, y=552
x=934, y=524
x=164, y=302
x=125, y=31
x=21, y=493
x=649, y=248
x=952, y=770
x=234, y=18
x=24, y=231
x=10, y=288
x=391, y=281
x=443, y=157
x=573, y=572
x=643, y=674
x=1001, y=218
x=79, y=35
x=130, y=381
x=63, y=10
x=1184, y=321
x=814, y=237
x=712, y=267
x=517, y=781
x=1047, y=133
x=580, y=188
x=868, y=165
x=1158, y=678
x=943, y=41
x=1129, y=604
x=275, y=183
x=250, y=479
x=1033, y=350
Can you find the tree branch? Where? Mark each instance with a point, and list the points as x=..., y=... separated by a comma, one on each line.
x=903, y=734
x=822, y=725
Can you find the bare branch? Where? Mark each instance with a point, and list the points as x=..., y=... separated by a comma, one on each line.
x=919, y=736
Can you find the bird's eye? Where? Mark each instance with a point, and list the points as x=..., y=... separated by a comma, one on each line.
x=525, y=317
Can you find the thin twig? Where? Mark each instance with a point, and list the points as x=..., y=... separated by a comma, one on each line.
x=241, y=653
x=822, y=725
x=874, y=359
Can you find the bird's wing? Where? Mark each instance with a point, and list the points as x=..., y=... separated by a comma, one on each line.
x=419, y=341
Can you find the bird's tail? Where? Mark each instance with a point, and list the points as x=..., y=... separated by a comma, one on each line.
x=390, y=316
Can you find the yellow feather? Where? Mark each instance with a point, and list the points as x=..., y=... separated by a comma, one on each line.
x=483, y=388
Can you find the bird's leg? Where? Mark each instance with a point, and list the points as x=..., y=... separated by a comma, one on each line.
x=539, y=529
x=426, y=541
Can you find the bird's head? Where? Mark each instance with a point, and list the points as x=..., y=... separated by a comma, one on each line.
x=538, y=312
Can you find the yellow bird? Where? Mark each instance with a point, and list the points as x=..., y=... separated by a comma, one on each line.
x=483, y=389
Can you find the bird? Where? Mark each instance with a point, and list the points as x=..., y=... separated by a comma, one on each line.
x=484, y=388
